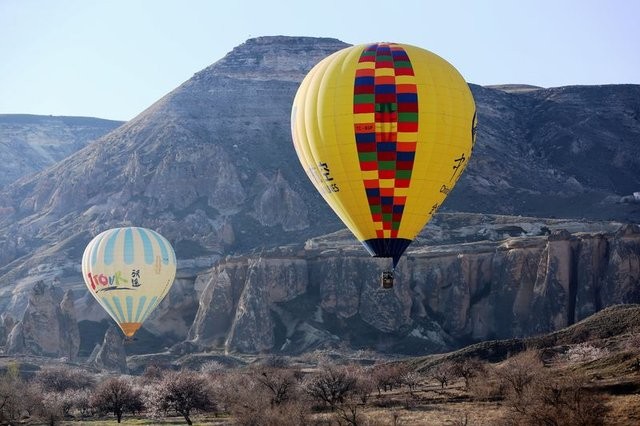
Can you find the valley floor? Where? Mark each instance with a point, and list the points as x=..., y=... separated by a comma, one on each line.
x=431, y=405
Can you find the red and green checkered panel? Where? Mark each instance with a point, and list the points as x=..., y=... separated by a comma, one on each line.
x=385, y=106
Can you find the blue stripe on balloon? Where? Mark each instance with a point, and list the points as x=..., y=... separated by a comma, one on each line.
x=150, y=306
x=110, y=309
x=129, y=249
x=129, y=303
x=109, y=248
x=141, y=302
x=163, y=248
x=146, y=245
x=116, y=301
x=94, y=248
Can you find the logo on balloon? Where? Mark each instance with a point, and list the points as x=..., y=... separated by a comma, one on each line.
x=322, y=175
x=102, y=282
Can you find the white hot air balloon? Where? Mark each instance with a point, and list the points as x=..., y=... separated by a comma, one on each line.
x=129, y=271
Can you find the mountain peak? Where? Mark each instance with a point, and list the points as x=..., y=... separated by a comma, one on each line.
x=273, y=58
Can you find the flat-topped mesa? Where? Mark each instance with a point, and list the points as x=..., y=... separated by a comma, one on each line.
x=273, y=58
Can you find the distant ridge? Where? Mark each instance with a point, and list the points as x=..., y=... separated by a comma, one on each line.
x=515, y=88
x=30, y=143
x=68, y=119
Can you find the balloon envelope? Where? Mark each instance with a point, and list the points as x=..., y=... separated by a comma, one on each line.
x=129, y=271
x=384, y=131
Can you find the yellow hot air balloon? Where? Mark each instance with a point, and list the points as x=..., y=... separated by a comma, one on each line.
x=384, y=131
x=129, y=271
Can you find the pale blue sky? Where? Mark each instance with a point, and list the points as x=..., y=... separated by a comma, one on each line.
x=113, y=58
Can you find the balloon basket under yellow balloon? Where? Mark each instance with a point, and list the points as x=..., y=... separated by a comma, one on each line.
x=387, y=279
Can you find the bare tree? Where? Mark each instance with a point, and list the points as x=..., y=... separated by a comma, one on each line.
x=519, y=371
x=52, y=407
x=468, y=369
x=280, y=382
x=116, y=395
x=387, y=376
x=349, y=412
x=365, y=382
x=331, y=385
x=183, y=392
x=443, y=373
x=243, y=397
x=80, y=400
x=411, y=379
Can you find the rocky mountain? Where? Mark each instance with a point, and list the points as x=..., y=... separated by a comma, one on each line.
x=211, y=166
x=561, y=152
x=31, y=143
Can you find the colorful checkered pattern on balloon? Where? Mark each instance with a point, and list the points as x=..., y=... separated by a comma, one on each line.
x=385, y=107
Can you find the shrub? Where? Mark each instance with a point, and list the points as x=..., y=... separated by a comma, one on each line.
x=250, y=402
x=59, y=379
x=212, y=367
x=585, y=352
x=487, y=385
x=17, y=398
x=153, y=373
x=535, y=396
x=557, y=400
x=275, y=361
x=633, y=342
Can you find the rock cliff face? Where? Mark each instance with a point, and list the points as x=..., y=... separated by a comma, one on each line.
x=445, y=296
x=48, y=326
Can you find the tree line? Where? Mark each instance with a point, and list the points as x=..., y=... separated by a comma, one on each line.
x=276, y=393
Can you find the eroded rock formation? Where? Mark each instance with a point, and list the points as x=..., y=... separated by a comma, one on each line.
x=110, y=355
x=445, y=296
x=48, y=326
